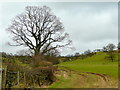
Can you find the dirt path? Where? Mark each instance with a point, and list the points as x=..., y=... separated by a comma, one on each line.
x=85, y=79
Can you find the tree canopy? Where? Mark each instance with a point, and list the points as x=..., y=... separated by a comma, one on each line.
x=39, y=29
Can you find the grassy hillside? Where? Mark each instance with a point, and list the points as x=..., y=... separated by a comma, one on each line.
x=71, y=74
x=96, y=63
x=79, y=77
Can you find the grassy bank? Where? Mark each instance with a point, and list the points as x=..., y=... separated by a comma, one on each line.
x=97, y=64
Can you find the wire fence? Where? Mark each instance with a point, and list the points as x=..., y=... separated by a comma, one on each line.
x=10, y=78
x=31, y=78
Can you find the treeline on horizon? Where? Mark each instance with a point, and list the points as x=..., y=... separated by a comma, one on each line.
x=106, y=48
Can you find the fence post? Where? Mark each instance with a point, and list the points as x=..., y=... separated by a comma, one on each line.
x=1, y=78
x=5, y=77
x=24, y=80
x=33, y=82
x=18, y=80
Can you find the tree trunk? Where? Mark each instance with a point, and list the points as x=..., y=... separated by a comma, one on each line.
x=37, y=51
x=36, y=57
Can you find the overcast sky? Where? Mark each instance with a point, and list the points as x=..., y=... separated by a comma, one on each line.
x=90, y=25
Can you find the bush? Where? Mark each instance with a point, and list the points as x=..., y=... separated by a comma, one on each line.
x=52, y=59
x=34, y=76
x=42, y=64
x=40, y=76
x=30, y=75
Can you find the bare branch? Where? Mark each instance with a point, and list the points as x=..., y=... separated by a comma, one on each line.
x=38, y=28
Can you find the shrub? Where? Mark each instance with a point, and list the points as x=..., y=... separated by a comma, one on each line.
x=40, y=76
x=52, y=59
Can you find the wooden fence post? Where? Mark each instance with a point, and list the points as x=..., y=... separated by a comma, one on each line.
x=18, y=80
x=32, y=78
x=5, y=77
x=1, y=78
x=24, y=80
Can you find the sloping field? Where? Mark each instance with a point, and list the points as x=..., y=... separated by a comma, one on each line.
x=92, y=72
x=96, y=63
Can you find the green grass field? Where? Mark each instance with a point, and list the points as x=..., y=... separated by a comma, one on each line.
x=95, y=64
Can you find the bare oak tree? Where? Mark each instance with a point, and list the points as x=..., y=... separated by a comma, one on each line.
x=39, y=29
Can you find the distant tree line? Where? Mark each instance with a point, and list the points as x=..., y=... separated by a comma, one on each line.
x=109, y=49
